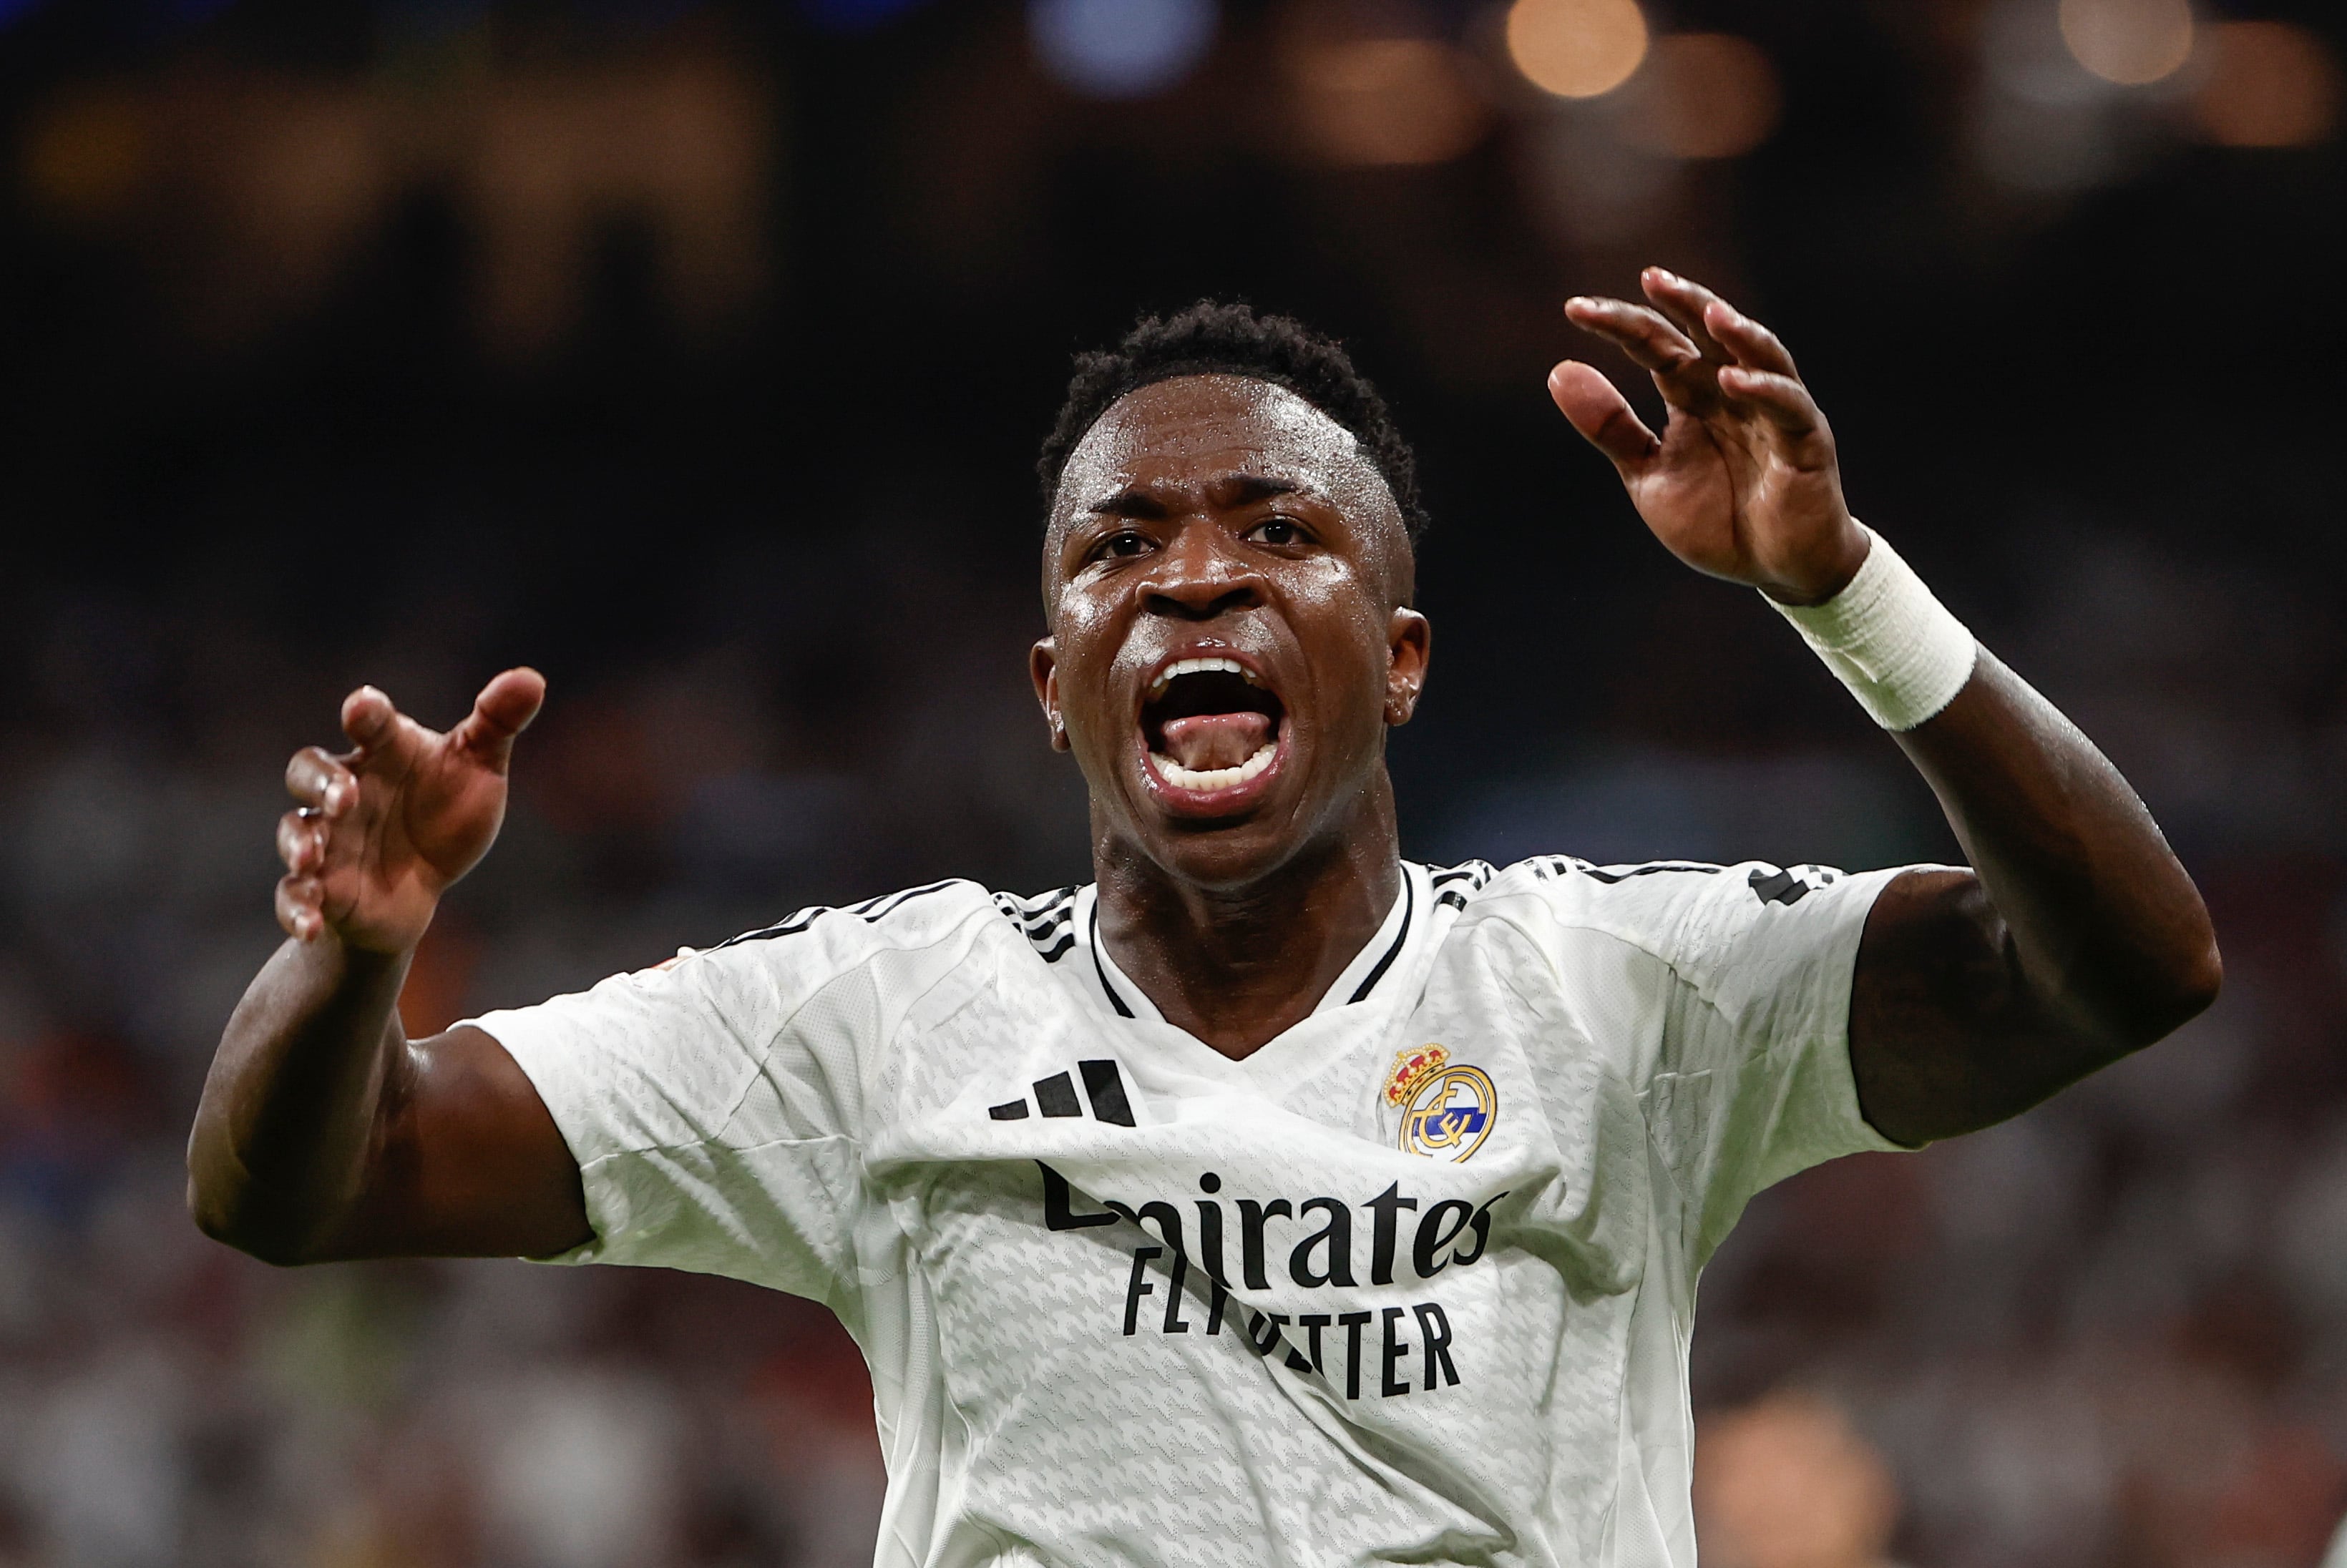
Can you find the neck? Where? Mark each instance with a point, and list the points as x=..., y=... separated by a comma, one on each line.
x=1238, y=966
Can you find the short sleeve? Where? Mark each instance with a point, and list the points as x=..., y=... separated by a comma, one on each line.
x=1722, y=995
x=714, y=1106
x=1753, y=1079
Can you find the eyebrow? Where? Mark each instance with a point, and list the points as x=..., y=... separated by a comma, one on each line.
x=1243, y=489
x=1134, y=502
x=1235, y=490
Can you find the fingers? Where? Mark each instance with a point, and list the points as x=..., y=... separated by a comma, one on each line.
x=302, y=841
x=1745, y=360
x=1754, y=345
x=368, y=717
x=1723, y=331
x=298, y=907
x=502, y=711
x=327, y=790
x=384, y=742
x=1783, y=402
x=1650, y=341
x=319, y=781
x=1596, y=408
x=1684, y=302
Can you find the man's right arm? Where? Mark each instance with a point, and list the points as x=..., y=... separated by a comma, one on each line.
x=324, y=1133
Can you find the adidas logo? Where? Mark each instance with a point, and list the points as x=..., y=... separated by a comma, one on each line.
x=1056, y=1096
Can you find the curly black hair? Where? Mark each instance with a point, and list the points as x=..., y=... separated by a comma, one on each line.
x=1217, y=338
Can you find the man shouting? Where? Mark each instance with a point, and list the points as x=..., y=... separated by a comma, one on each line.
x=1271, y=1199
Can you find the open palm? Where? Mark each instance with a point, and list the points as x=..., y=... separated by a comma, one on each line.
x=1743, y=483
x=384, y=828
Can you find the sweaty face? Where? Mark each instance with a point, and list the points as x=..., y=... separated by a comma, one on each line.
x=1225, y=575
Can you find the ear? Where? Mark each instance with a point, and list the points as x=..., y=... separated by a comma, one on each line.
x=1043, y=670
x=1410, y=640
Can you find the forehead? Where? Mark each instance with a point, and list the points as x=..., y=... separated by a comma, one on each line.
x=1192, y=428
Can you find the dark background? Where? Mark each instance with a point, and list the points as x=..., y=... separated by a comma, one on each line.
x=697, y=354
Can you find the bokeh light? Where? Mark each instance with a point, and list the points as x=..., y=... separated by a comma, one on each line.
x=1788, y=1483
x=1386, y=101
x=88, y=155
x=2269, y=84
x=1711, y=95
x=1576, y=48
x=2129, y=42
x=1120, y=48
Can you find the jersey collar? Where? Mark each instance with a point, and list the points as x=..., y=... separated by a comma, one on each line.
x=1382, y=959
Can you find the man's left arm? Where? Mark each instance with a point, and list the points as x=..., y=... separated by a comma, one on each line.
x=2075, y=940
x=2077, y=937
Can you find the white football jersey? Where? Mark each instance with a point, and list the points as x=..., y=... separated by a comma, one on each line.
x=1411, y=1283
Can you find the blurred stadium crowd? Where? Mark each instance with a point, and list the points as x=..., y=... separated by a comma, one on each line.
x=694, y=353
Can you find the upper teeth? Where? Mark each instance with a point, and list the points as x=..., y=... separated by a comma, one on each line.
x=1201, y=666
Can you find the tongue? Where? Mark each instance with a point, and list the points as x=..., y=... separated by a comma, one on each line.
x=1209, y=740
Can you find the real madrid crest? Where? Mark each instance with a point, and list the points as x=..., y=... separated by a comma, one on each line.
x=1447, y=1109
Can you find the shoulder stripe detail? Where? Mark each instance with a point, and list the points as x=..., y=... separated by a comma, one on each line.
x=1039, y=930
x=1409, y=910
x=1545, y=867
x=871, y=910
x=1043, y=906
x=1610, y=874
x=1790, y=885
x=1043, y=920
x=791, y=927
x=896, y=901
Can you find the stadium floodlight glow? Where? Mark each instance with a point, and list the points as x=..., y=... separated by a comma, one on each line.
x=1576, y=48
x=1710, y=95
x=1386, y=102
x=2270, y=83
x=1120, y=48
x=2129, y=42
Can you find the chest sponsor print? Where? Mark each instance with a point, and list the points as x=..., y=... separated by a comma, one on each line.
x=1314, y=1244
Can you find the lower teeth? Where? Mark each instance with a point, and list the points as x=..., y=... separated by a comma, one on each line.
x=1182, y=777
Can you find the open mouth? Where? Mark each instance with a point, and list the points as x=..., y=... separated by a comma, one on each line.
x=1210, y=725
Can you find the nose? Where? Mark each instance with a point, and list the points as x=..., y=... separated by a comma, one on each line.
x=1198, y=576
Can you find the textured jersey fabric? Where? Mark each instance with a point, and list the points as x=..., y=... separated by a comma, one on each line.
x=1411, y=1283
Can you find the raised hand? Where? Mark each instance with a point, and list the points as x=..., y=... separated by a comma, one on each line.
x=1743, y=482
x=384, y=828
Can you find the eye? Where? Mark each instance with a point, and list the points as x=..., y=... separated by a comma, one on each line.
x=1123, y=542
x=1278, y=530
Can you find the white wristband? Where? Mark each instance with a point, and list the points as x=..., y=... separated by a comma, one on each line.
x=1888, y=639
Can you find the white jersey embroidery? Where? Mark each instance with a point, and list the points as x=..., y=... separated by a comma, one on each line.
x=1413, y=1282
